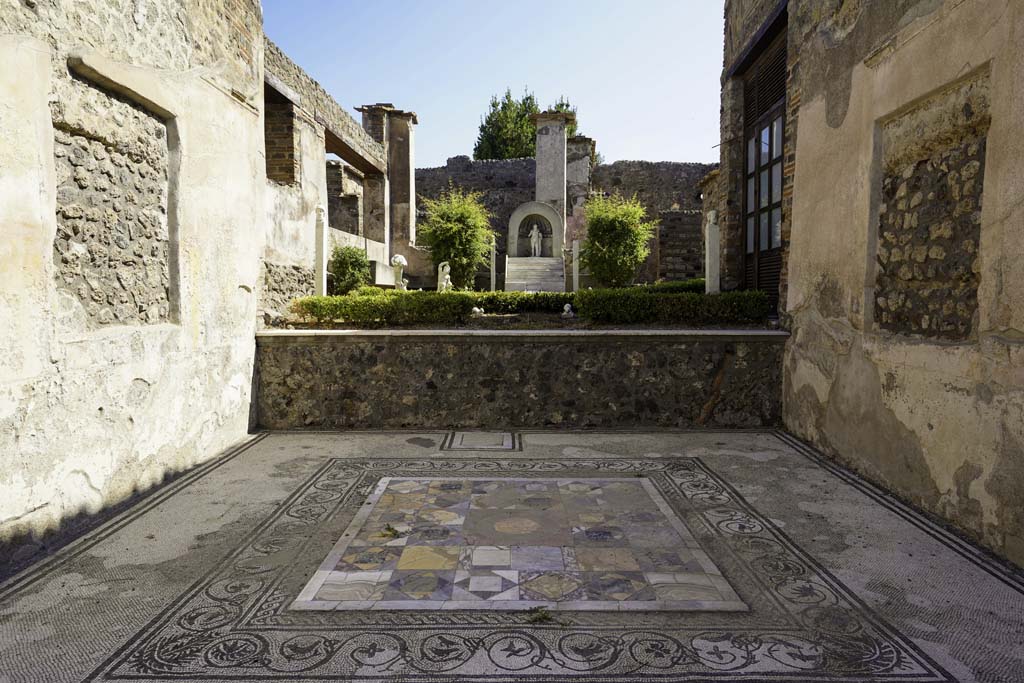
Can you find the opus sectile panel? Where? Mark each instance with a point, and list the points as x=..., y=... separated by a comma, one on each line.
x=514, y=544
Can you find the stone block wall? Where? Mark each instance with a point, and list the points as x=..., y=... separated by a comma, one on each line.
x=659, y=185
x=385, y=380
x=281, y=283
x=111, y=248
x=680, y=245
x=930, y=214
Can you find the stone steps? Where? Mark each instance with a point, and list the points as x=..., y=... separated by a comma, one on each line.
x=535, y=274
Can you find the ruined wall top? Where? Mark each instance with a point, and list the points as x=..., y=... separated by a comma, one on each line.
x=324, y=108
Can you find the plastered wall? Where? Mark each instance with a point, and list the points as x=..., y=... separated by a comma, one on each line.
x=929, y=403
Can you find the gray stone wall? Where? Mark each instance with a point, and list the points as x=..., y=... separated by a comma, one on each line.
x=930, y=214
x=592, y=380
x=281, y=283
x=111, y=246
x=680, y=245
x=659, y=185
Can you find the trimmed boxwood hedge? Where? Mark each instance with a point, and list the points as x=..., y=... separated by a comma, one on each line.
x=625, y=306
x=640, y=305
x=409, y=308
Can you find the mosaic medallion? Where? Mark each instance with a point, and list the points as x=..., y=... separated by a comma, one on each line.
x=569, y=540
x=631, y=532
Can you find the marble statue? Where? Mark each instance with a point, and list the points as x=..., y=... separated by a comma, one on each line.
x=536, y=240
x=444, y=276
x=567, y=313
x=398, y=264
x=477, y=312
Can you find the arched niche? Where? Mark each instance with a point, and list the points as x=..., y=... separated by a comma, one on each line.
x=550, y=219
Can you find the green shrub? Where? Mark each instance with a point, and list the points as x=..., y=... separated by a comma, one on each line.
x=638, y=305
x=457, y=229
x=625, y=306
x=696, y=285
x=617, y=237
x=523, y=302
x=371, y=290
x=348, y=268
x=406, y=308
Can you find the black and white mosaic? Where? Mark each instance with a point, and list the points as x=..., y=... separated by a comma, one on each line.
x=234, y=623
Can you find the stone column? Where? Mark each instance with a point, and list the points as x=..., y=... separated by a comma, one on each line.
x=551, y=159
x=376, y=186
x=402, y=177
x=580, y=153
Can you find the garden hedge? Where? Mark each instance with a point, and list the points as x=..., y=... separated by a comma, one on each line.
x=625, y=306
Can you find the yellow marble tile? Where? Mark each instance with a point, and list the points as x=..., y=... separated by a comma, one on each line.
x=429, y=557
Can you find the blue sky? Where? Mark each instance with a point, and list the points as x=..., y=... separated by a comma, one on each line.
x=643, y=74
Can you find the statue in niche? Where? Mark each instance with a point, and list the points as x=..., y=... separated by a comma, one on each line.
x=536, y=240
x=444, y=276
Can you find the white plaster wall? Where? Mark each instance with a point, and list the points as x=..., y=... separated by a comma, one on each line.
x=87, y=416
x=942, y=424
x=291, y=209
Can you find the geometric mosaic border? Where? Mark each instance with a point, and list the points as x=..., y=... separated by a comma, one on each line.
x=234, y=623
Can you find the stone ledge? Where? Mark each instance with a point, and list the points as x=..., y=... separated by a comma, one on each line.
x=289, y=337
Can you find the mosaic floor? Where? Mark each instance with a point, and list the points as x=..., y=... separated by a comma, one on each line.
x=415, y=557
x=479, y=543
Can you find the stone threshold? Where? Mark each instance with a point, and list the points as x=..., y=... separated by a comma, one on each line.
x=270, y=337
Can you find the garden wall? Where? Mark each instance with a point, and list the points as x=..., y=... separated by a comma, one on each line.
x=348, y=379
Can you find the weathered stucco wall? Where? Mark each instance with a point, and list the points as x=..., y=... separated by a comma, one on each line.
x=291, y=218
x=366, y=379
x=139, y=364
x=912, y=371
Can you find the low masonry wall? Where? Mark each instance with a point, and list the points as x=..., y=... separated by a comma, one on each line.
x=490, y=379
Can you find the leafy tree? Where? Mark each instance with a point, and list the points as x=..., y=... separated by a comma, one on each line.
x=508, y=132
x=457, y=229
x=617, y=237
x=348, y=269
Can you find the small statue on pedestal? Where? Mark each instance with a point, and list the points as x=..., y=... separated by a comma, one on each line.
x=444, y=276
x=398, y=264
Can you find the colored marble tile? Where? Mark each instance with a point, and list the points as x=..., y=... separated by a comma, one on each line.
x=369, y=558
x=354, y=586
x=476, y=584
x=599, y=536
x=665, y=560
x=430, y=585
x=515, y=527
x=603, y=559
x=618, y=586
x=537, y=558
x=428, y=557
x=513, y=543
x=488, y=556
x=551, y=586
